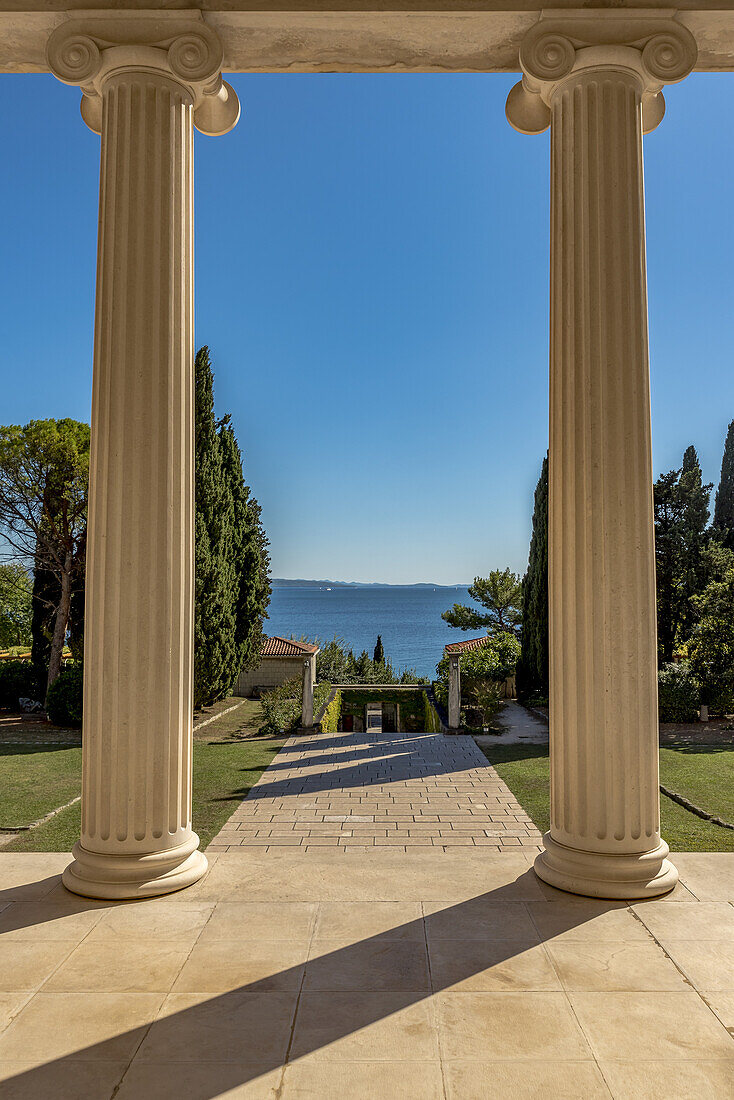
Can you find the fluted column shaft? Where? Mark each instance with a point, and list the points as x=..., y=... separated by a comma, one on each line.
x=454, y=692
x=136, y=794
x=602, y=621
x=604, y=836
x=136, y=838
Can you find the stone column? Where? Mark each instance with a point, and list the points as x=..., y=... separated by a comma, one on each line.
x=145, y=86
x=604, y=838
x=307, y=695
x=454, y=692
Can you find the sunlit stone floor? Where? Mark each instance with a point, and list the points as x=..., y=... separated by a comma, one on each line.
x=357, y=976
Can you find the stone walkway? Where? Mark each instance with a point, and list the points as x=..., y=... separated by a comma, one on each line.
x=385, y=791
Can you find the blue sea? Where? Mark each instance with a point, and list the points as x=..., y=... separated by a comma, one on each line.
x=409, y=620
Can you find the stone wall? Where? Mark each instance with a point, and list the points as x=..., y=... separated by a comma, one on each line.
x=269, y=673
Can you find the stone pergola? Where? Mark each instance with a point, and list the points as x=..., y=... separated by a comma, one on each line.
x=148, y=76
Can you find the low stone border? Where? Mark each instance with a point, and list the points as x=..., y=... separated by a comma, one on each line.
x=675, y=797
x=41, y=820
x=216, y=717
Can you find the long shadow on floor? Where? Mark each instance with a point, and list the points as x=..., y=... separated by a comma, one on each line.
x=231, y=1038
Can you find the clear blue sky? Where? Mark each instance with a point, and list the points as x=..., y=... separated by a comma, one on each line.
x=372, y=280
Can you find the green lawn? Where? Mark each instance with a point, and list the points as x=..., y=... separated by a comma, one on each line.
x=35, y=780
x=703, y=774
x=32, y=783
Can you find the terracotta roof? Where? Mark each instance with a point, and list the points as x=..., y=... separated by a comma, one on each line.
x=285, y=647
x=463, y=647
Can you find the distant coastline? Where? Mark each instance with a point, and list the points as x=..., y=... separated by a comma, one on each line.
x=282, y=582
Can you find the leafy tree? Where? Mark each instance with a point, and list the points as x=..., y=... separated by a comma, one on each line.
x=492, y=662
x=44, y=476
x=501, y=594
x=337, y=665
x=532, y=667
x=15, y=605
x=711, y=647
x=724, y=503
x=379, y=655
x=681, y=518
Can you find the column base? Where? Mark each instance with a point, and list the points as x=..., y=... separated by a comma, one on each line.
x=124, y=877
x=606, y=875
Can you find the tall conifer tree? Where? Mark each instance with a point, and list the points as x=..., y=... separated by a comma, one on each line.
x=724, y=504
x=532, y=669
x=232, y=588
x=250, y=558
x=213, y=622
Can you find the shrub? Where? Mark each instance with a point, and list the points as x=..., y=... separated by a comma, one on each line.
x=281, y=707
x=16, y=678
x=679, y=695
x=332, y=714
x=64, y=699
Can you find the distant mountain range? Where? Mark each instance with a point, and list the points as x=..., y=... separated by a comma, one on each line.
x=282, y=582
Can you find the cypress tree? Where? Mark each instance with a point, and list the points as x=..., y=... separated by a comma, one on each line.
x=379, y=655
x=724, y=503
x=532, y=669
x=695, y=516
x=250, y=561
x=214, y=582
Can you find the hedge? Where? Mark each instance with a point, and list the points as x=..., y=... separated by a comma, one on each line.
x=679, y=694
x=64, y=699
x=17, y=678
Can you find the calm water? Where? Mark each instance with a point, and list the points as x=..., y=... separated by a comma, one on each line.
x=409, y=620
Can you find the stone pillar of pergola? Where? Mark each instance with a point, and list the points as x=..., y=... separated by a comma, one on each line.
x=307, y=694
x=598, y=83
x=454, y=692
x=146, y=83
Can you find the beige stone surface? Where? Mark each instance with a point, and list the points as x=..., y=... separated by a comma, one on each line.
x=379, y=790
x=398, y=976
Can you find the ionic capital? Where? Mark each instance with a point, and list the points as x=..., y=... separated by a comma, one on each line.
x=655, y=51
x=90, y=51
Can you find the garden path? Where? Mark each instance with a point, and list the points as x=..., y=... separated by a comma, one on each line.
x=378, y=792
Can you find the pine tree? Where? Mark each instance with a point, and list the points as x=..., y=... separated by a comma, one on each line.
x=379, y=655
x=724, y=503
x=532, y=669
x=214, y=624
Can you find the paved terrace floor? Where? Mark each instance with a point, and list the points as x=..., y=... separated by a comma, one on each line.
x=415, y=976
x=357, y=791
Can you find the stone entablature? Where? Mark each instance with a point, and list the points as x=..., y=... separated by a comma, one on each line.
x=353, y=37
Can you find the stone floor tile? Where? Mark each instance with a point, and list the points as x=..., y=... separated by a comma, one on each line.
x=245, y=1028
x=374, y=965
x=25, y=965
x=352, y=922
x=348, y=1027
x=10, y=1006
x=480, y=918
x=139, y=920
x=708, y=964
x=723, y=1005
x=587, y=920
x=490, y=966
x=524, y=1081
x=291, y=922
x=708, y=875
x=669, y=1080
x=146, y=966
x=98, y=1027
x=702, y=920
x=619, y=967
x=64, y=1080
x=509, y=1026
x=43, y=920
x=220, y=966
x=307, y=1079
x=651, y=1026
x=187, y=1081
